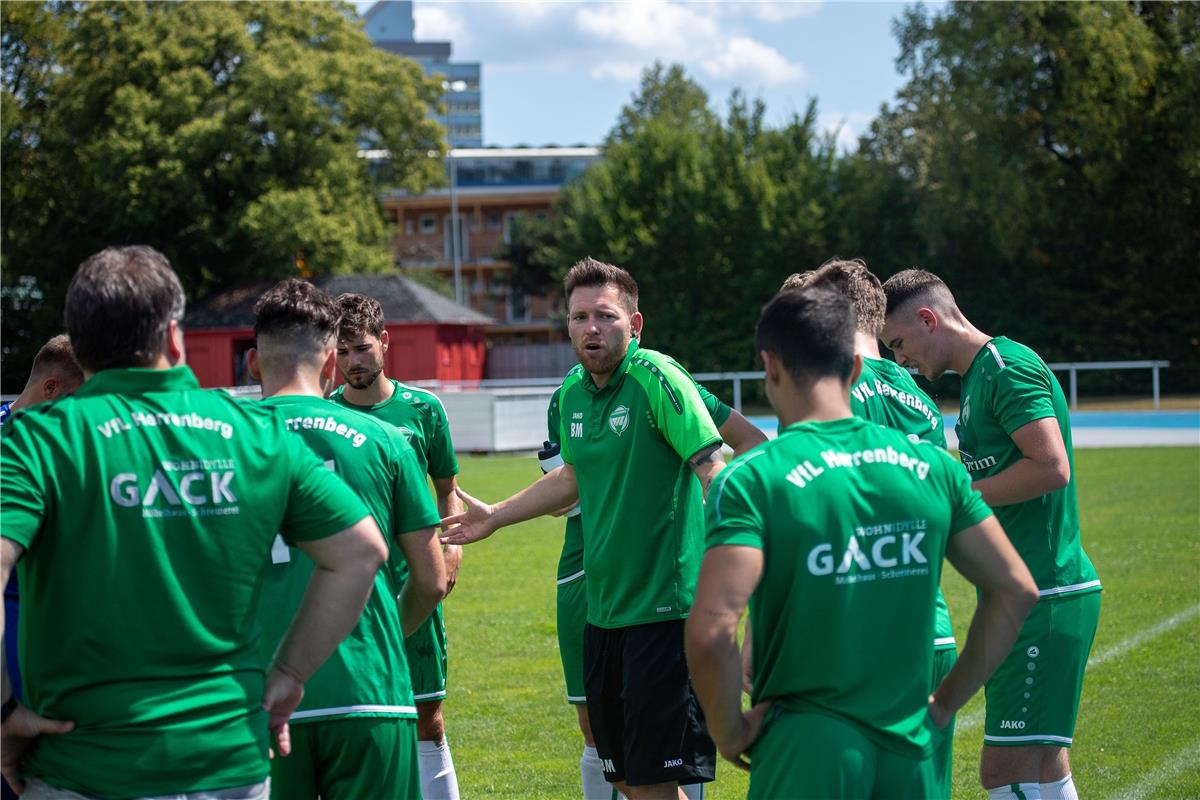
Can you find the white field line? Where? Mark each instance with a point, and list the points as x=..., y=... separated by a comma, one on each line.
x=975, y=718
x=1185, y=759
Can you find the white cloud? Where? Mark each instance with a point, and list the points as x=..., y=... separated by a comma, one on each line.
x=778, y=12
x=441, y=22
x=744, y=59
x=623, y=71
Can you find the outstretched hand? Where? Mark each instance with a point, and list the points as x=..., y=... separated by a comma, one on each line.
x=471, y=525
x=17, y=733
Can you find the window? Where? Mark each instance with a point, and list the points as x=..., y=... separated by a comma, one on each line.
x=428, y=223
x=494, y=221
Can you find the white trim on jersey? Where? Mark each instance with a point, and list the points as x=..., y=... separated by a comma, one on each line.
x=357, y=709
x=1064, y=589
x=569, y=578
x=573, y=699
x=996, y=355
x=943, y=640
x=430, y=696
x=1033, y=738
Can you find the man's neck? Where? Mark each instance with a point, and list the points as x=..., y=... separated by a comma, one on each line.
x=866, y=345
x=826, y=400
x=380, y=389
x=968, y=341
x=298, y=382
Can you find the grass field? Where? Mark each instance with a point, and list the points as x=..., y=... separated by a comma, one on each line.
x=513, y=734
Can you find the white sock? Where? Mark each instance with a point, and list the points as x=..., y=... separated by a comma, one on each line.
x=694, y=791
x=1060, y=790
x=438, y=781
x=1016, y=791
x=595, y=787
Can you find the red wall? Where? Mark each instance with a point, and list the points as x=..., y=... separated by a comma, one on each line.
x=417, y=351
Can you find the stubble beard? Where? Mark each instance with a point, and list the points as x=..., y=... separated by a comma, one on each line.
x=364, y=381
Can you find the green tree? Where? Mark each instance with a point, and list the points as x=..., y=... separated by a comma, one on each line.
x=708, y=213
x=532, y=248
x=225, y=134
x=1051, y=153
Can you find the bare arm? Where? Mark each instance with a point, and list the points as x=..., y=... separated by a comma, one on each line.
x=706, y=464
x=740, y=433
x=985, y=557
x=22, y=726
x=346, y=564
x=427, y=580
x=449, y=504
x=1043, y=468
x=728, y=576
x=549, y=493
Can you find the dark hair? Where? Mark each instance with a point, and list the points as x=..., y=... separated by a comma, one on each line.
x=56, y=356
x=118, y=306
x=296, y=312
x=810, y=330
x=360, y=315
x=917, y=284
x=856, y=282
x=590, y=272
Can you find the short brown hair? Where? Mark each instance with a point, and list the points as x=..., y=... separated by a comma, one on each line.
x=590, y=272
x=119, y=305
x=360, y=315
x=296, y=311
x=917, y=284
x=852, y=279
x=56, y=357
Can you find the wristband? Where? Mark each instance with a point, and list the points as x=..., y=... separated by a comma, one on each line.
x=6, y=710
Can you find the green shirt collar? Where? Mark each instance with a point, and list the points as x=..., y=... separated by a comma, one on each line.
x=833, y=425
x=618, y=375
x=139, y=380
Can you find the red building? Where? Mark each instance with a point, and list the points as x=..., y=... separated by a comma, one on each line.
x=432, y=337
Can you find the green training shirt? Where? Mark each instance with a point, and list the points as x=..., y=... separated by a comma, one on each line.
x=147, y=508
x=852, y=519
x=420, y=416
x=368, y=674
x=643, y=524
x=1006, y=387
x=570, y=561
x=886, y=394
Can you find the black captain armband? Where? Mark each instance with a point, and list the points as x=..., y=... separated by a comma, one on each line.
x=6, y=710
x=707, y=454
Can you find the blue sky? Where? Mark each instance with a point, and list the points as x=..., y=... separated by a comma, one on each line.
x=559, y=72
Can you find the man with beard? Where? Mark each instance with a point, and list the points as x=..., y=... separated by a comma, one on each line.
x=420, y=417
x=639, y=450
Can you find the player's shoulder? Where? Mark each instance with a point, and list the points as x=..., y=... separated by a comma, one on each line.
x=1001, y=354
x=573, y=378
x=652, y=366
x=417, y=396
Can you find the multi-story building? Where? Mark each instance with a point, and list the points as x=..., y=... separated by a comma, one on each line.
x=390, y=25
x=489, y=187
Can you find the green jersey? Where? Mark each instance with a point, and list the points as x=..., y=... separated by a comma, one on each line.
x=643, y=525
x=1006, y=387
x=886, y=394
x=853, y=521
x=147, y=508
x=570, y=561
x=368, y=674
x=420, y=416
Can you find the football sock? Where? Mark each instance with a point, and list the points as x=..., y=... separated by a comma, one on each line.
x=1016, y=791
x=595, y=787
x=1063, y=789
x=438, y=781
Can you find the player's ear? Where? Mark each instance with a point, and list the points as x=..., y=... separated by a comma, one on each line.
x=771, y=365
x=49, y=388
x=635, y=324
x=252, y=365
x=928, y=318
x=174, y=344
x=383, y=339
x=329, y=373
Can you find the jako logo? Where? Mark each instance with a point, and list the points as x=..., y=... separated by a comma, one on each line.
x=674, y=762
x=619, y=420
x=125, y=489
x=1012, y=724
x=820, y=558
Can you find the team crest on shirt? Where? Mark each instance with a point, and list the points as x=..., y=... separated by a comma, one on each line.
x=407, y=433
x=619, y=420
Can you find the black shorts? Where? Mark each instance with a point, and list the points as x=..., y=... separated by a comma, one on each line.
x=645, y=717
